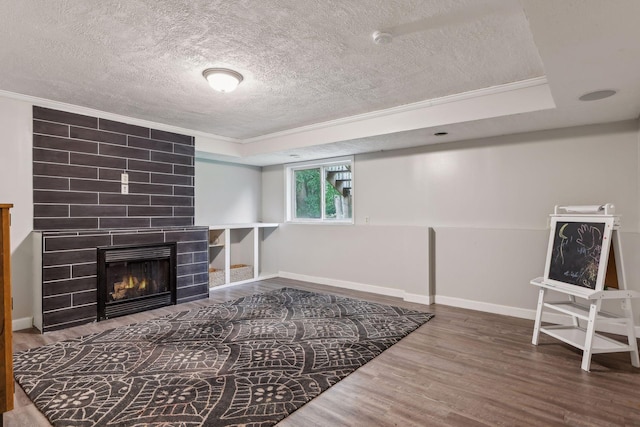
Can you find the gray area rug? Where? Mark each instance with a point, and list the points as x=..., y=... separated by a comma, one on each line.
x=251, y=361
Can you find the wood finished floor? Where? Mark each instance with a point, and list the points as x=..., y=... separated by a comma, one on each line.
x=462, y=368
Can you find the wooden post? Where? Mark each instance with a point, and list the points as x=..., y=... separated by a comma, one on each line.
x=6, y=352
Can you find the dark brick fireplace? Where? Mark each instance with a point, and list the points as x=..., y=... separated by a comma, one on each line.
x=78, y=162
x=70, y=269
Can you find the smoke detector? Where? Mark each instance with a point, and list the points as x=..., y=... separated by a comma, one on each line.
x=381, y=37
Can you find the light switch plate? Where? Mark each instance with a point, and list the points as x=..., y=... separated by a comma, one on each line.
x=124, y=178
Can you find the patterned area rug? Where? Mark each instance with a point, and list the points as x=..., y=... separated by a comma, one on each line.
x=251, y=361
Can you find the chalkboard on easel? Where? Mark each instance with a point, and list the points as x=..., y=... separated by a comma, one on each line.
x=578, y=253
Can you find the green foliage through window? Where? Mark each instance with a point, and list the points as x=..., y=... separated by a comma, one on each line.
x=329, y=199
x=321, y=192
x=308, y=193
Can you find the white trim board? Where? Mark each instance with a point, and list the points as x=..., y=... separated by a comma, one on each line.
x=22, y=323
x=522, y=313
x=380, y=290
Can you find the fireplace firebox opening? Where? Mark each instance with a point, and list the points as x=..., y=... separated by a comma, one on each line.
x=135, y=278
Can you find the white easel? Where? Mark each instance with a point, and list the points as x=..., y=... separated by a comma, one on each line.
x=584, y=303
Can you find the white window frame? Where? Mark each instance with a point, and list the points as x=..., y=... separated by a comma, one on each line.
x=290, y=193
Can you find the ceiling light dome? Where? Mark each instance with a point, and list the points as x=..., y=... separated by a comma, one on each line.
x=222, y=79
x=382, y=37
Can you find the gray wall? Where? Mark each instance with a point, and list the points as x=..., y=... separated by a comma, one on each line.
x=509, y=182
x=488, y=202
x=391, y=260
x=16, y=186
x=227, y=193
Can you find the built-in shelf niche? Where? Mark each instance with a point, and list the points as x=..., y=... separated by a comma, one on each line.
x=234, y=245
x=216, y=249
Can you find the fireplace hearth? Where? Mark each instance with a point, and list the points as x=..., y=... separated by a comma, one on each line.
x=135, y=278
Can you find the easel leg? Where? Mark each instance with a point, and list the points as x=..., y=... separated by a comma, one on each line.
x=631, y=334
x=536, y=325
x=588, y=342
x=576, y=321
x=628, y=310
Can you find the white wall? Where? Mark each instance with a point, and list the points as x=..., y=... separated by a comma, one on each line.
x=506, y=182
x=273, y=197
x=227, y=193
x=488, y=202
x=391, y=260
x=16, y=186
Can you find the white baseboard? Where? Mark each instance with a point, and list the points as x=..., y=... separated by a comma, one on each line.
x=380, y=290
x=420, y=299
x=523, y=313
x=506, y=310
x=22, y=323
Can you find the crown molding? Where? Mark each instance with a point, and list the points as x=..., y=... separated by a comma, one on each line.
x=511, y=98
x=499, y=101
x=478, y=93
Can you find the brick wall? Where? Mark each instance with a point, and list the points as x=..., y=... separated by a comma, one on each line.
x=77, y=163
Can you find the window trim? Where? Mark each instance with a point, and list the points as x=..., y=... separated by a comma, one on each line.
x=289, y=170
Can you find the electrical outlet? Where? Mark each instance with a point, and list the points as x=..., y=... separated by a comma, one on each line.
x=366, y=220
x=124, y=188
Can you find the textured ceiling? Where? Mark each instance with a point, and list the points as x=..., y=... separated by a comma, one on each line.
x=315, y=85
x=304, y=61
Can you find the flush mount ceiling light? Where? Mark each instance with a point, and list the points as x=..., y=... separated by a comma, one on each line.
x=381, y=37
x=222, y=79
x=599, y=94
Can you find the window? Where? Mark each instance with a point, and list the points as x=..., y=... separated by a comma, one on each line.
x=320, y=191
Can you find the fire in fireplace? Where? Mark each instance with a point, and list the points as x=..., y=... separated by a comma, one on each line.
x=138, y=283
x=135, y=278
